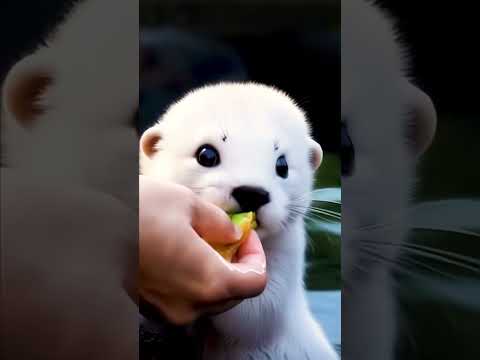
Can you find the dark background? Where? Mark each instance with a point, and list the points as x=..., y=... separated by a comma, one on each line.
x=293, y=45
x=443, y=39
x=24, y=24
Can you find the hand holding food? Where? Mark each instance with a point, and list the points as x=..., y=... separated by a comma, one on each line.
x=180, y=274
x=246, y=222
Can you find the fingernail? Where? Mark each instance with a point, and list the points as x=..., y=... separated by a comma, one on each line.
x=255, y=267
x=259, y=267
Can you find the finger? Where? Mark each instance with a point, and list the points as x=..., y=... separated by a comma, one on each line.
x=234, y=281
x=248, y=277
x=213, y=225
x=251, y=251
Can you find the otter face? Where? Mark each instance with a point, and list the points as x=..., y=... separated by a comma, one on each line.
x=243, y=147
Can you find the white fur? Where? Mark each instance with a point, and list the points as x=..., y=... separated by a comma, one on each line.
x=376, y=99
x=89, y=106
x=62, y=172
x=375, y=110
x=372, y=73
x=253, y=118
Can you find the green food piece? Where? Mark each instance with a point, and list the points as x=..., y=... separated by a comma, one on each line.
x=246, y=222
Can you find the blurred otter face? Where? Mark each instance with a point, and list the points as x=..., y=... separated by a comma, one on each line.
x=71, y=118
x=386, y=123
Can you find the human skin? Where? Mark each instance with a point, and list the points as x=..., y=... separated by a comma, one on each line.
x=69, y=265
x=180, y=273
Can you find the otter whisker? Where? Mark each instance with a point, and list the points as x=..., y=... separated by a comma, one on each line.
x=374, y=226
x=310, y=217
x=399, y=264
x=310, y=245
x=312, y=207
x=326, y=212
x=435, y=254
x=360, y=268
x=327, y=195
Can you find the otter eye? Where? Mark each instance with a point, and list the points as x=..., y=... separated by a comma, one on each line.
x=208, y=156
x=282, y=167
x=347, y=152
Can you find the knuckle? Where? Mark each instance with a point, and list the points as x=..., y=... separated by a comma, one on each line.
x=206, y=294
x=211, y=292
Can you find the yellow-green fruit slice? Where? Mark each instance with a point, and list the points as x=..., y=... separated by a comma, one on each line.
x=246, y=222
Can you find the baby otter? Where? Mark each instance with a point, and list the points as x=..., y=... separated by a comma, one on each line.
x=247, y=147
x=387, y=123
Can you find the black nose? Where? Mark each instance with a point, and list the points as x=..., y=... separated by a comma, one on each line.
x=250, y=198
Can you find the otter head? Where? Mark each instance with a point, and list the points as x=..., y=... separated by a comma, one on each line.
x=243, y=147
x=68, y=107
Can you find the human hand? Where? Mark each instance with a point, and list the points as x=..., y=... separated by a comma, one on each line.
x=180, y=273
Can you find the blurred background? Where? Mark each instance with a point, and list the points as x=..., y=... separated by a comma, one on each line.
x=24, y=25
x=440, y=307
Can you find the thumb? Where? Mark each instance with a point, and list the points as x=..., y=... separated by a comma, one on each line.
x=248, y=276
x=213, y=225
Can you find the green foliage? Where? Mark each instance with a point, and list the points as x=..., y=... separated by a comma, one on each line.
x=324, y=249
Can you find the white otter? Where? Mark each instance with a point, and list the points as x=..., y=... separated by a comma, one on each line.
x=387, y=123
x=248, y=147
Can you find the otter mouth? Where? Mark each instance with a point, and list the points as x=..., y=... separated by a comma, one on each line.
x=255, y=222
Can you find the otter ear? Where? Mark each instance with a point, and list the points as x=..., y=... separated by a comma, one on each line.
x=423, y=123
x=316, y=154
x=24, y=89
x=149, y=141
